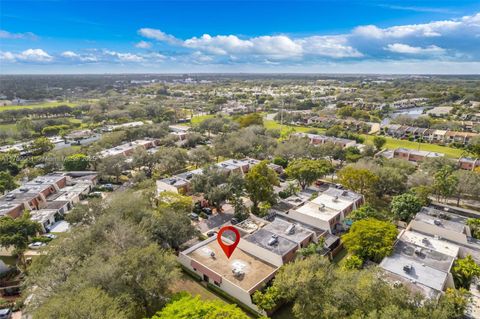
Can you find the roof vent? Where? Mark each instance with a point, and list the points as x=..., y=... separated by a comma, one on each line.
x=437, y=222
x=212, y=254
x=273, y=240
x=335, y=199
x=408, y=268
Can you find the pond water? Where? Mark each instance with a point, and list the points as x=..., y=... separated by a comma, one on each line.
x=414, y=112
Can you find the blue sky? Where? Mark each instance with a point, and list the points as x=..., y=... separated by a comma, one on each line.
x=240, y=36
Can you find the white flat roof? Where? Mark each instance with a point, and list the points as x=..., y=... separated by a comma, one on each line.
x=430, y=242
x=314, y=210
x=333, y=203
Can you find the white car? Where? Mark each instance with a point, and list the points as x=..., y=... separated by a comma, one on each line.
x=51, y=236
x=36, y=245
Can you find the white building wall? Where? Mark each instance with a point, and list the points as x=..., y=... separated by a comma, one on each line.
x=439, y=231
x=308, y=220
x=257, y=251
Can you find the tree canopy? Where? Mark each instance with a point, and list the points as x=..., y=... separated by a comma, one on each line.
x=306, y=171
x=185, y=306
x=370, y=239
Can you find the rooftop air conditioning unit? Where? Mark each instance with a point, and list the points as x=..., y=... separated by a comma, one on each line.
x=437, y=222
x=418, y=251
x=290, y=230
x=237, y=272
x=322, y=207
x=408, y=268
x=273, y=240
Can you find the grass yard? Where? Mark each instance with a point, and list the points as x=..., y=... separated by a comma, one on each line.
x=393, y=143
x=33, y=106
x=188, y=284
x=8, y=127
x=200, y=118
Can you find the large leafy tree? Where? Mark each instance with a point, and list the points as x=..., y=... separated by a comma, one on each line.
x=405, y=206
x=41, y=145
x=185, y=306
x=379, y=142
x=468, y=184
x=358, y=179
x=306, y=171
x=76, y=162
x=370, y=239
x=365, y=211
x=84, y=304
x=7, y=182
x=16, y=233
x=464, y=271
x=259, y=183
x=445, y=182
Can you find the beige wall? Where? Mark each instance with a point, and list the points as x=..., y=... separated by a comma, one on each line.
x=256, y=250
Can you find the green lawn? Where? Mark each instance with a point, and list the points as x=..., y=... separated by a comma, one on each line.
x=393, y=143
x=187, y=283
x=33, y=106
x=200, y=118
x=9, y=127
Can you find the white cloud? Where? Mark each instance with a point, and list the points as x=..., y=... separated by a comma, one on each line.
x=7, y=56
x=9, y=35
x=157, y=35
x=407, y=49
x=34, y=55
x=124, y=57
x=69, y=54
x=274, y=47
x=143, y=45
x=431, y=29
x=329, y=46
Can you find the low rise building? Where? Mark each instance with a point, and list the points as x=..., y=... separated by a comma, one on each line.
x=327, y=211
x=468, y=163
x=426, y=250
x=316, y=139
x=127, y=149
x=246, y=271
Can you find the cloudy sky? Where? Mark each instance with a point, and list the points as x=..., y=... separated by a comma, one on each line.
x=240, y=36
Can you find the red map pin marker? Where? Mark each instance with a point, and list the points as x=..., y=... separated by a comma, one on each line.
x=228, y=249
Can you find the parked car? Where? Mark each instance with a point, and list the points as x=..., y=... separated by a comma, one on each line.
x=108, y=187
x=234, y=221
x=211, y=233
x=51, y=236
x=95, y=195
x=36, y=245
x=207, y=210
x=193, y=216
x=6, y=313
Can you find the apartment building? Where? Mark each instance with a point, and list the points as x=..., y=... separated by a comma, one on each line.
x=327, y=211
x=316, y=139
x=426, y=250
x=247, y=270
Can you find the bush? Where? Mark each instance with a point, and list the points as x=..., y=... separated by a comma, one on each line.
x=41, y=239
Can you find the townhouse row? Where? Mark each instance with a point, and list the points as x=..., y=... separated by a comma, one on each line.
x=266, y=245
x=47, y=198
x=426, y=134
